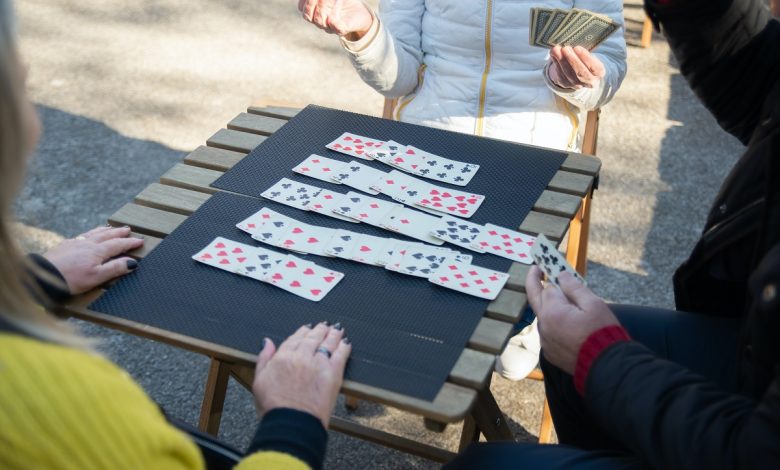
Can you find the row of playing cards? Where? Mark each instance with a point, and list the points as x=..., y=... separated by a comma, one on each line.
x=406, y=158
x=403, y=188
x=488, y=238
x=553, y=27
x=300, y=277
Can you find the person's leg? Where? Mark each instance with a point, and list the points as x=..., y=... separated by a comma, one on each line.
x=706, y=345
x=523, y=455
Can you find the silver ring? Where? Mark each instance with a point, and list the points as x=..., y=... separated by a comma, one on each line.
x=81, y=237
x=324, y=350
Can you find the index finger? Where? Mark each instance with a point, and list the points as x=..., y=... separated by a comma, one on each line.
x=533, y=287
x=117, y=246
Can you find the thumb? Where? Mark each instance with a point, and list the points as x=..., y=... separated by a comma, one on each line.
x=268, y=351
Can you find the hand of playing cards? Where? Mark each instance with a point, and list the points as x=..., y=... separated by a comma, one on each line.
x=575, y=27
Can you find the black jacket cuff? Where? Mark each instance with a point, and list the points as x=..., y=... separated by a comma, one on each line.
x=292, y=432
x=54, y=291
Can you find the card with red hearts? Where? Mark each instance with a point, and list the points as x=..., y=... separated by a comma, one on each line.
x=470, y=279
x=413, y=224
x=306, y=238
x=501, y=241
x=406, y=159
x=303, y=278
x=320, y=168
x=355, y=145
x=369, y=249
x=238, y=258
x=374, y=210
x=324, y=201
x=265, y=221
x=450, y=201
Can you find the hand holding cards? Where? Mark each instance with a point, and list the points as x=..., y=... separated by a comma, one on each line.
x=551, y=261
x=575, y=27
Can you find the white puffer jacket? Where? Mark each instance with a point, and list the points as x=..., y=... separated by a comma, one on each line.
x=466, y=65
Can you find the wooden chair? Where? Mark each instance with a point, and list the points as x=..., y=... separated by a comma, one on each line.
x=576, y=252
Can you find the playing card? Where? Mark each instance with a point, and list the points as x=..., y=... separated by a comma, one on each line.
x=238, y=258
x=407, y=159
x=386, y=151
x=319, y=167
x=560, y=21
x=306, y=238
x=324, y=201
x=539, y=18
x=291, y=193
x=255, y=223
x=349, y=204
x=442, y=169
x=458, y=232
x=387, y=251
x=369, y=249
x=303, y=278
x=374, y=210
x=506, y=243
x=470, y=279
x=358, y=176
x=551, y=261
x=342, y=244
x=422, y=261
x=413, y=224
x=355, y=145
x=450, y=201
x=592, y=33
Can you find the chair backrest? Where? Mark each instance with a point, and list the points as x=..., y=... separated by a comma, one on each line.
x=589, y=139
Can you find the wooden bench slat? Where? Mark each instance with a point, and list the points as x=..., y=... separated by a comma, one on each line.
x=517, y=275
x=571, y=183
x=146, y=220
x=191, y=177
x=556, y=203
x=256, y=124
x=279, y=112
x=490, y=335
x=213, y=158
x=507, y=306
x=579, y=163
x=552, y=226
x=235, y=140
x=171, y=198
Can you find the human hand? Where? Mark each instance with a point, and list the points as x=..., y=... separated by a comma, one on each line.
x=566, y=316
x=87, y=261
x=340, y=17
x=574, y=67
x=299, y=374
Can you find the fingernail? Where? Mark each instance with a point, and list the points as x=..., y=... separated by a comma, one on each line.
x=109, y=225
x=337, y=326
x=309, y=326
x=346, y=341
x=262, y=345
x=326, y=323
x=132, y=264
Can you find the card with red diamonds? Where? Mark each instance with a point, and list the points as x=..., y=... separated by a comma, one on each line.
x=470, y=279
x=355, y=145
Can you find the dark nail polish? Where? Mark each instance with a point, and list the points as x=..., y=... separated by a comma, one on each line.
x=109, y=225
x=346, y=341
x=337, y=326
x=262, y=345
x=326, y=323
x=309, y=326
x=132, y=264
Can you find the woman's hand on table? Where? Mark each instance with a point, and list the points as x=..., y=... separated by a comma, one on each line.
x=566, y=316
x=305, y=373
x=94, y=258
x=574, y=67
x=342, y=17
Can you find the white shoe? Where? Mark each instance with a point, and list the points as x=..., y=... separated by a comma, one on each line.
x=521, y=354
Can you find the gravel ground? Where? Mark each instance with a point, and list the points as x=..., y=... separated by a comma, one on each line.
x=126, y=89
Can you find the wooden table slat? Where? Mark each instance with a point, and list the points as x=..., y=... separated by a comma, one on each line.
x=146, y=220
x=552, y=226
x=191, y=177
x=556, y=203
x=171, y=198
x=235, y=140
x=256, y=124
x=279, y=112
x=579, y=163
x=571, y=183
x=490, y=335
x=213, y=158
x=508, y=306
x=517, y=275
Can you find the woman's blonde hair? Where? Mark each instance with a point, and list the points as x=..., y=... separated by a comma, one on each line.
x=17, y=305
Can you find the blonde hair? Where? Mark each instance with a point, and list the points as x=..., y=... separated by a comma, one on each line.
x=17, y=305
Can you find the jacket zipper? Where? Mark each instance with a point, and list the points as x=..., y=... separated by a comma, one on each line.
x=409, y=98
x=480, y=124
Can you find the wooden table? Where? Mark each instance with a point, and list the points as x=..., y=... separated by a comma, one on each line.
x=161, y=207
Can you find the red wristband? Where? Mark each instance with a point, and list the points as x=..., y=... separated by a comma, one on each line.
x=591, y=348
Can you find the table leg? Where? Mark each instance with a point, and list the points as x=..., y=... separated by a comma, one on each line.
x=577, y=251
x=489, y=419
x=469, y=435
x=545, y=430
x=214, y=397
x=647, y=32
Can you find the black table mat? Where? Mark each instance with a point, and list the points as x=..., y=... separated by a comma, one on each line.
x=407, y=333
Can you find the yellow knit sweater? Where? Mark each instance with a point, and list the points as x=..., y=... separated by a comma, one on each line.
x=64, y=408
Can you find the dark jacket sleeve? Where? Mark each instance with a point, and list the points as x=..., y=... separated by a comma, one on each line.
x=728, y=51
x=292, y=432
x=52, y=290
x=673, y=418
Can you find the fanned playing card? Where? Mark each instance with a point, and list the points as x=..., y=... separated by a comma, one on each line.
x=369, y=249
x=413, y=224
x=422, y=261
x=356, y=145
x=306, y=238
x=265, y=218
x=443, y=169
x=324, y=201
x=349, y=204
x=238, y=258
x=510, y=244
x=342, y=244
x=407, y=159
x=321, y=168
x=374, y=210
x=358, y=176
x=458, y=232
x=303, y=278
x=470, y=279
x=551, y=261
x=450, y=201
x=386, y=151
x=291, y=193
